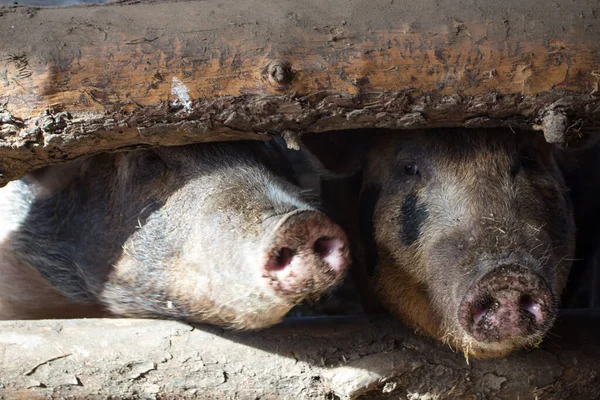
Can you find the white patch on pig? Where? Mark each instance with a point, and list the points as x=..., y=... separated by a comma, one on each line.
x=181, y=91
x=15, y=202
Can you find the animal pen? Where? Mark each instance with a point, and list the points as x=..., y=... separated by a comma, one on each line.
x=80, y=80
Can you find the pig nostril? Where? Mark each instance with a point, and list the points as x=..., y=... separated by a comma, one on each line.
x=482, y=308
x=282, y=259
x=324, y=246
x=330, y=250
x=478, y=314
x=530, y=306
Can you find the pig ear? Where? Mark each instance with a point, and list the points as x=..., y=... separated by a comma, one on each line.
x=338, y=153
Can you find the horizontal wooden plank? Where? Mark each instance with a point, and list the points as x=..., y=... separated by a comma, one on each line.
x=346, y=358
x=80, y=80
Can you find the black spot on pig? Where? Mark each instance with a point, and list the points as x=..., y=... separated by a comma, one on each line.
x=413, y=217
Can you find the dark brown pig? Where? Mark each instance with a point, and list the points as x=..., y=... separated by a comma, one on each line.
x=214, y=233
x=468, y=235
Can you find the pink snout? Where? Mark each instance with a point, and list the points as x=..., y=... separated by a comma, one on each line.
x=308, y=254
x=509, y=303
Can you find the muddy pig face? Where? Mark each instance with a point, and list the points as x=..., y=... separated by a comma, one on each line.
x=205, y=233
x=469, y=235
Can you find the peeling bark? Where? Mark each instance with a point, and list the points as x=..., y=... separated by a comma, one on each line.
x=344, y=358
x=80, y=80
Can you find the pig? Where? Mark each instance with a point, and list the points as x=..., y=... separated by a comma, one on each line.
x=216, y=233
x=467, y=235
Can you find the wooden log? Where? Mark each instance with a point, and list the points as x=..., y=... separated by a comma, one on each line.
x=80, y=80
x=331, y=358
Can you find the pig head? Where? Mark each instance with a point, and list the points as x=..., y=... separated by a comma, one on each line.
x=213, y=233
x=468, y=235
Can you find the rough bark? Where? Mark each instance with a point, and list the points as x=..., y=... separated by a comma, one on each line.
x=313, y=358
x=80, y=80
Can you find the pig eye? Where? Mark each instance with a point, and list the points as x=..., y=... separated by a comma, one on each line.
x=411, y=169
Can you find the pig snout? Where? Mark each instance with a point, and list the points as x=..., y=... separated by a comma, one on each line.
x=307, y=253
x=508, y=303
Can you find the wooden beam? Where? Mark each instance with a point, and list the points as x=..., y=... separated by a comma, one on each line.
x=318, y=358
x=81, y=80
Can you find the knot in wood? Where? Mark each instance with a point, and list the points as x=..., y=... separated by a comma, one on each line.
x=279, y=73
